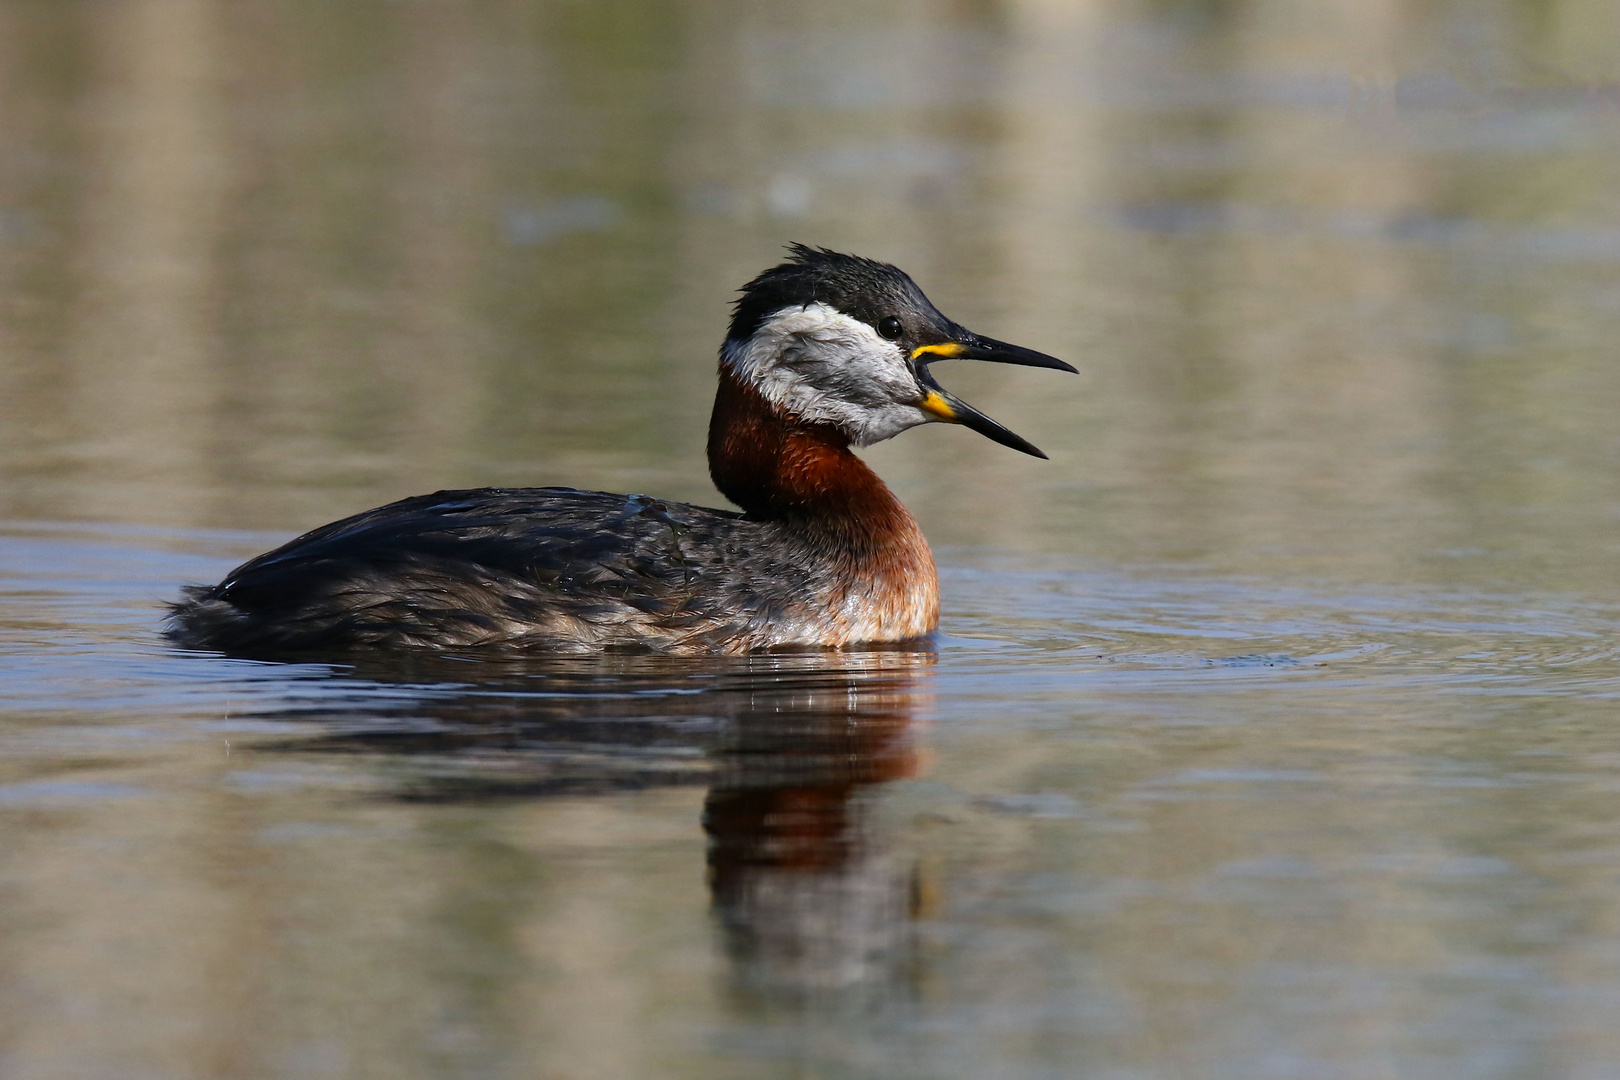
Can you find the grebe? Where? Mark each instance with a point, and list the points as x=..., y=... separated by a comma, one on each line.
x=825, y=352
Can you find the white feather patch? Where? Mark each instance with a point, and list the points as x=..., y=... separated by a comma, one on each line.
x=822, y=366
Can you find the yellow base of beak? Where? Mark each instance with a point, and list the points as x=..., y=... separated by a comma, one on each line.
x=936, y=405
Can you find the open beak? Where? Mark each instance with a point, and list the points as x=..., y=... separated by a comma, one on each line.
x=944, y=405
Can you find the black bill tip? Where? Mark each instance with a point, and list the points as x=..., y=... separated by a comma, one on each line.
x=1000, y=352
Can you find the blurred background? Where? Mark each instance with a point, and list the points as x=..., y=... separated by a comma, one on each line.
x=1341, y=277
x=1271, y=734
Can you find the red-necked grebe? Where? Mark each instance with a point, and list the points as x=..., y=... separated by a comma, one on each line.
x=825, y=352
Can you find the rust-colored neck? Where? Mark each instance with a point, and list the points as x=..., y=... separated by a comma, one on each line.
x=778, y=468
x=884, y=587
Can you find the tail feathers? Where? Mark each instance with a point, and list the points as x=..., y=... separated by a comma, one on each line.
x=200, y=620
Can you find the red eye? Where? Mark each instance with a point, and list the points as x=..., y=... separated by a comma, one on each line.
x=890, y=327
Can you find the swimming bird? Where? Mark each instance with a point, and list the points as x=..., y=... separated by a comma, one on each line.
x=825, y=352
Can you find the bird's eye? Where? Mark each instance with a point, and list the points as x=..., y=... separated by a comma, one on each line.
x=890, y=327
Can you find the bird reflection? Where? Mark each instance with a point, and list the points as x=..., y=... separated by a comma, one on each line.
x=808, y=894
x=808, y=897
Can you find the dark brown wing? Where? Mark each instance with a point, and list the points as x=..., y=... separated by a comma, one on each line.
x=532, y=568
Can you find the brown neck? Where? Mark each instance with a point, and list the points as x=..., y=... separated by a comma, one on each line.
x=804, y=475
x=778, y=468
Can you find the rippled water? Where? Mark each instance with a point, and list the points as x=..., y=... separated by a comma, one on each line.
x=1272, y=729
x=1126, y=825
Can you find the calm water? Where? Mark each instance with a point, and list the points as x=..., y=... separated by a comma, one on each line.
x=1273, y=732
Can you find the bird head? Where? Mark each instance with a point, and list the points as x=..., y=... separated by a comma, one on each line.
x=845, y=341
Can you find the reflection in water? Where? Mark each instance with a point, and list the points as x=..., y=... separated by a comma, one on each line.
x=807, y=895
x=793, y=747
